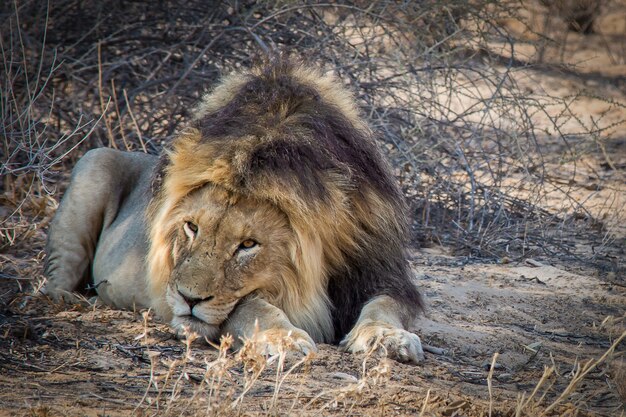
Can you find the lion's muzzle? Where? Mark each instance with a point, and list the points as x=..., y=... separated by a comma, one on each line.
x=201, y=315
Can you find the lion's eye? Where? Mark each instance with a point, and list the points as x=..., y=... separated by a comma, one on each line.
x=247, y=244
x=191, y=229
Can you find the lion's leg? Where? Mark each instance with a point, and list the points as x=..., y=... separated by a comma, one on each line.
x=381, y=321
x=257, y=320
x=74, y=232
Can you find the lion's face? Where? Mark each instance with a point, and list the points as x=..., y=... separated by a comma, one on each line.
x=225, y=247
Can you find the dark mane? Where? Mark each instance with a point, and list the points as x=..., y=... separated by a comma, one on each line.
x=296, y=133
x=280, y=134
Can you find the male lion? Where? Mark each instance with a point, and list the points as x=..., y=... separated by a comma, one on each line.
x=272, y=212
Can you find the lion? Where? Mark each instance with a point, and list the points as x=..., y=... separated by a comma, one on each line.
x=271, y=214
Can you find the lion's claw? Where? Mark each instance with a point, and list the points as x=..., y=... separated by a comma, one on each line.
x=397, y=343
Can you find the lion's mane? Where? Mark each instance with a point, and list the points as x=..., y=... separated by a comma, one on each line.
x=285, y=133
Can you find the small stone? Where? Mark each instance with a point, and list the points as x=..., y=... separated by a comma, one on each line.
x=343, y=376
x=486, y=365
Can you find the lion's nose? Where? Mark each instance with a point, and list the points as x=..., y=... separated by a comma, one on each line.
x=191, y=300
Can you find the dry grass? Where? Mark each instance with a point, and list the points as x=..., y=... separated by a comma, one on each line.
x=100, y=361
x=192, y=381
x=223, y=395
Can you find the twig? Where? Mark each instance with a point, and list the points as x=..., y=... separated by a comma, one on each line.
x=582, y=372
x=103, y=108
x=489, y=381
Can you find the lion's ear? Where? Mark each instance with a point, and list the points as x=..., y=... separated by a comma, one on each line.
x=159, y=173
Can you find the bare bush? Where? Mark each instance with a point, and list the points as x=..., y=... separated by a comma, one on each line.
x=478, y=156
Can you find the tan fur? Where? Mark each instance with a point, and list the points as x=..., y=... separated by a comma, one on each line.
x=343, y=228
x=323, y=232
x=317, y=241
x=378, y=324
x=304, y=302
x=98, y=236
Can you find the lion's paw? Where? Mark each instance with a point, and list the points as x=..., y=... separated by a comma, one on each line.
x=276, y=341
x=397, y=343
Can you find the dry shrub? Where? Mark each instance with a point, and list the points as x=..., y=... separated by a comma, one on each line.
x=437, y=80
x=193, y=382
x=461, y=133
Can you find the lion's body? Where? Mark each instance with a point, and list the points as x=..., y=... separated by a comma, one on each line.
x=98, y=235
x=274, y=206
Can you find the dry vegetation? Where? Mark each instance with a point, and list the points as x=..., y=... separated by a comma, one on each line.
x=504, y=122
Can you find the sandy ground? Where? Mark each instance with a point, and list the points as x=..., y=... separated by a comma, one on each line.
x=70, y=360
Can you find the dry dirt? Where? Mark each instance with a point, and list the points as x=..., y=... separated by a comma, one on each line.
x=544, y=320
x=80, y=360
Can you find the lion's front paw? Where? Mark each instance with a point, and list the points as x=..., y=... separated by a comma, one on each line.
x=397, y=343
x=276, y=341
